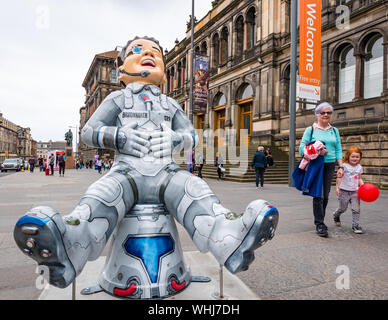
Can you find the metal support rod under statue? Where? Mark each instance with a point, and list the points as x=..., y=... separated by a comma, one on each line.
x=221, y=282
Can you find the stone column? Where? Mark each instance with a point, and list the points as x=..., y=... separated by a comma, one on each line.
x=358, y=91
x=332, y=94
x=324, y=74
x=385, y=78
x=385, y=64
x=284, y=96
x=245, y=36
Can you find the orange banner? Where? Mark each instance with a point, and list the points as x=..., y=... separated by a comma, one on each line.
x=310, y=49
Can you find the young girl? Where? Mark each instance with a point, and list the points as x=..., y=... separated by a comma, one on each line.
x=347, y=187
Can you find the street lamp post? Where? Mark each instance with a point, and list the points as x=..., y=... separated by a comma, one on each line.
x=192, y=64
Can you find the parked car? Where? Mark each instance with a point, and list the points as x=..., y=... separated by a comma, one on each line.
x=11, y=164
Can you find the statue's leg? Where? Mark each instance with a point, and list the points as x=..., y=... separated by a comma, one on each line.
x=230, y=237
x=64, y=244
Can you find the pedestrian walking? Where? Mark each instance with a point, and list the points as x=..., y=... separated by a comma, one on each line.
x=99, y=166
x=40, y=162
x=199, y=161
x=347, y=187
x=51, y=163
x=219, y=162
x=62, y=165
x=324, y=132
x=31, y=161
x=90, y=164
x=259, y=163
x=268, y=155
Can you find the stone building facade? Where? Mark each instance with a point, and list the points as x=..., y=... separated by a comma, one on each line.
x=44, y=148
x=100, y=80
x=248, y=42
x=15, y=141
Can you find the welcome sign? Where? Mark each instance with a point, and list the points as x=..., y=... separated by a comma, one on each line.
x=310, y=49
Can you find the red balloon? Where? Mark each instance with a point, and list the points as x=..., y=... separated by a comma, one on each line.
x=368, y=192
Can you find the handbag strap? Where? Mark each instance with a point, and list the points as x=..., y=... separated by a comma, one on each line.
x=311, y=134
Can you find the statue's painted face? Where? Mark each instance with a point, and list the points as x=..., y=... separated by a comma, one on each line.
x=143, y=55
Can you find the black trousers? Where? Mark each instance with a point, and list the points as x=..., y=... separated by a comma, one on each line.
x=220, y=173
x=259, y=176
x=52, y=169
x=199, y=168
x=320, y=204
x=62, y=169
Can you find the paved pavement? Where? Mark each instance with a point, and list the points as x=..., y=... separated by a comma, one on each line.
x=296, y=264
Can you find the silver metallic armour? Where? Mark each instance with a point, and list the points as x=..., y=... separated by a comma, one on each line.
x=137, y=201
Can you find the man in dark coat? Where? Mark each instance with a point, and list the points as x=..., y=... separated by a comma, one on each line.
x=259, y=163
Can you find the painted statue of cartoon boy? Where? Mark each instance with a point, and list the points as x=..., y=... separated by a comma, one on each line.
x=145, y=128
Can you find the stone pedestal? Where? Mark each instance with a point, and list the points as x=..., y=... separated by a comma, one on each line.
x=69, y=158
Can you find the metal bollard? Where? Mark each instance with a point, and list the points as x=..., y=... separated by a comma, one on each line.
x=73, y=290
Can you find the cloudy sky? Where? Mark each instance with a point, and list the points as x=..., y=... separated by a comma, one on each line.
x=47, y=46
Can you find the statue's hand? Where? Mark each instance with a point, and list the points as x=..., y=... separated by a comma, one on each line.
x=165, y=142
x=133, y=142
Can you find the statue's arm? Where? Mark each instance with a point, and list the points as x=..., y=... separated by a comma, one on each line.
x=101, y=130
x=181, y=124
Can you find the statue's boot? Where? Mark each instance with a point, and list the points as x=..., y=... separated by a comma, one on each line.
x=65, y=244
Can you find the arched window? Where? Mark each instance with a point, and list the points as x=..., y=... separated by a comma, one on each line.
x=245, y=108
x=219, y=107
x=373, y=67
x=204, y=48
x=219, y=100
x=245, y=92
x=197, y=50
x=216, y=50
x=184, y=70
x=346, y=75
x=251, y=28
x=179, y=74
x=239, y=36
x=224, y=45
x=168, y=81
x=172, y=82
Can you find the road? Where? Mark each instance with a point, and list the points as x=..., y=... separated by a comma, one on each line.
x=296, y=264
x=3, y=174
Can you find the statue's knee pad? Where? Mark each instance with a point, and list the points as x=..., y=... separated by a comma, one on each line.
x=182, y=191
x=112, y=190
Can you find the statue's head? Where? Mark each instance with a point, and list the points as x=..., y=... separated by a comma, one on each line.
x=142, y=61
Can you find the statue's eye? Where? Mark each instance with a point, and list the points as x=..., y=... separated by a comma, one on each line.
x=136, y=50
x=133, y=50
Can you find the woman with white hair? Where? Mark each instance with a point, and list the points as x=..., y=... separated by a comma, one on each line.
x=323, y=131
x=259, y=163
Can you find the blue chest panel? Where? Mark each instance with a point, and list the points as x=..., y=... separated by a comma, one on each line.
x=150, y=250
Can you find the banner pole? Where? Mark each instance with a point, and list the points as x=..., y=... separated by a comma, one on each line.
x=292, y=95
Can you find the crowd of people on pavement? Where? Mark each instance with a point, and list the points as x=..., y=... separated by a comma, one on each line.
x=58, y=162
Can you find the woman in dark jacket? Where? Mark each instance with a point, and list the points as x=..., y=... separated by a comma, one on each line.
x=259, y=163
x=219, y=164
